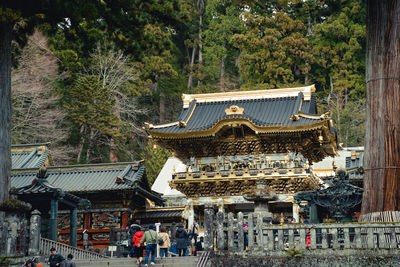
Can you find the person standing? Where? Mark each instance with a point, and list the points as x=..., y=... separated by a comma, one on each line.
x=55, y=259
x=150, y=237
x=137, y=247
x=166, y=243
x=195, y=232
x=181, y=239
x=132, y=230
x=69, y=262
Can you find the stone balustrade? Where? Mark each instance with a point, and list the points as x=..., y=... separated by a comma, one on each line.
x=79, y=254
x=260, y=234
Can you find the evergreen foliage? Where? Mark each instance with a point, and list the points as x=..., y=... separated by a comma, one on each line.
x=122, y=63
x=154, y=159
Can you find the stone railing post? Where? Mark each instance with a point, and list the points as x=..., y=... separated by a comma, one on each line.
x=208, y=227
x=23, y=237
x=220, y=230
x=240, y=231
x=12, y=227
x=260, y=236
x=250, y=231
x=230, y=231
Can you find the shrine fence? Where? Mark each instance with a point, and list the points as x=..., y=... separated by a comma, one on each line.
x=229, y=233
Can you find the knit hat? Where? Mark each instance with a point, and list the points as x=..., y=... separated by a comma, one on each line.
x=151, y=226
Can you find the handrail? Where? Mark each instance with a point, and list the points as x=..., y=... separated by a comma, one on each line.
x=79, y=254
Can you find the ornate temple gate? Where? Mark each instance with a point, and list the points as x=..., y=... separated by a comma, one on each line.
x=230, y=141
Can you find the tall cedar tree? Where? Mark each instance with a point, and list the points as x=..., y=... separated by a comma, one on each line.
x=273, y=50
x=382, y=145
x=124, y=21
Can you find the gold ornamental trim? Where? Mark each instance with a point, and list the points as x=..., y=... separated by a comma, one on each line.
x=243, y=95
x=238, y=121
x=175, y=123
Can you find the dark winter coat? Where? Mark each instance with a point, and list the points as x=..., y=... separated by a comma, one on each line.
x=70, y=263
x=182, y=238
x=57, y=258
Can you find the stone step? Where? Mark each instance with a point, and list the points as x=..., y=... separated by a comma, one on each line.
x=122, y=262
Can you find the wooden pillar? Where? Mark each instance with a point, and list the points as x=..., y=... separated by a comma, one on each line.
x=125, y=216
x=87, y=221
x=53, y=219
x=73, y=227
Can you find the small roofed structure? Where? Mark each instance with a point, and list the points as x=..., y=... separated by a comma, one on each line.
x=249, y=122
x=40, y=192
x=115, y=191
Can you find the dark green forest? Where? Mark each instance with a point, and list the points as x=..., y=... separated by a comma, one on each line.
x=86, y=84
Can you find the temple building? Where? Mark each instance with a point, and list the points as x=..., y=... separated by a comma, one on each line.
x=230, y=141
x=92, y=197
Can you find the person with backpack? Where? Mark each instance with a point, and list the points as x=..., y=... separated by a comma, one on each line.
x=163, y=242
x=137, y=247
x=132, y=230
x=181, y=239
x=150, y=238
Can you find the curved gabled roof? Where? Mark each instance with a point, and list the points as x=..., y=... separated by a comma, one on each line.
x=277, y=113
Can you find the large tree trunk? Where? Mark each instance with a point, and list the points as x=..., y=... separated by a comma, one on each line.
x=190, y=79
x=5, y=108
x=163, y=110
x=113, y=146
x=382, y=140
x=200, y=7
x=222, y=76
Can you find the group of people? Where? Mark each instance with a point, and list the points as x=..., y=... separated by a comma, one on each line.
x=149, y=239
x=55, y=260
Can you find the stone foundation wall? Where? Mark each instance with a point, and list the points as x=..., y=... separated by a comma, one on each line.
x=362, y=258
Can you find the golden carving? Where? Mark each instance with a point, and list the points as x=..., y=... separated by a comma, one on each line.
x=232, y=110
x=294, y=117
x=181, y=124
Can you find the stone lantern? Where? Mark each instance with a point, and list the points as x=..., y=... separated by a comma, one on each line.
x=261, y=194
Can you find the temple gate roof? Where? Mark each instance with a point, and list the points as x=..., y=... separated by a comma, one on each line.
x=249, y=122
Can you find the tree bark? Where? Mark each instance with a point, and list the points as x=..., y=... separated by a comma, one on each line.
x=80, y=145
x=382, y=139
x=5, y=106
x=113, y=146
x=162, y=107
x=222, y=76
x=190, y=79
x=200, y=6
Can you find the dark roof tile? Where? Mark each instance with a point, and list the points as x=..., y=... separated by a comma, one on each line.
x=262, y=112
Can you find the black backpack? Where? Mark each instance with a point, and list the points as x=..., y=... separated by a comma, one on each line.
x=160, y=241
